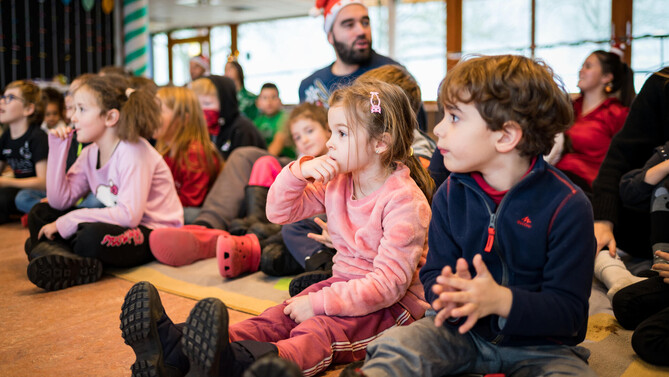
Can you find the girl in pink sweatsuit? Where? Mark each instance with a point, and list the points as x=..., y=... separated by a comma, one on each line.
x=368, y=184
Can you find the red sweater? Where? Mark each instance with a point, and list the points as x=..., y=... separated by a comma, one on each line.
x=191, y=180
x=590, y=136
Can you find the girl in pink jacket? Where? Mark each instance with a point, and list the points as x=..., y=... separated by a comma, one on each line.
x=69, y=246
x=375, y=194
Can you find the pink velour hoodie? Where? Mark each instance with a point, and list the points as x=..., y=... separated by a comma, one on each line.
x=381, y=239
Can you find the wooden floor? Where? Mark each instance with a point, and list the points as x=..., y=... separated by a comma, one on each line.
x=72, y=332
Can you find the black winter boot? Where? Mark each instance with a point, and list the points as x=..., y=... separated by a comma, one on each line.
x=141, y=314
x=264, y=230
x=206, y=343
x=255, y=199
x=318, y=267
x=276, y=260
x=53, y=266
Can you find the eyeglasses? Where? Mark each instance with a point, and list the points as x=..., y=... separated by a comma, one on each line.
x=10, y=97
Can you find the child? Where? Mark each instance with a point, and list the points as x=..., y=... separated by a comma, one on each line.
x=643, y=188
x=511, y=240
x=178, y=247
x=228, y=128
x=271, y=120
x=123, y=170
x=23, y=147
x=184, y=143
x=315, y=252
x=378, y=221
x=643, y=307
x=55, y=109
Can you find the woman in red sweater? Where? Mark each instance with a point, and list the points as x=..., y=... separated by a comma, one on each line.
x=607, y=90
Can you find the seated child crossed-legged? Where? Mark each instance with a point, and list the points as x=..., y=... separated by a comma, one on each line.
x=70, y=246
x=177, y=247
x=315, y=253
x=511, y=241
x=643, y=189
x=644, y=306
x=378, y=223
x=23, y=148
x=184, y=143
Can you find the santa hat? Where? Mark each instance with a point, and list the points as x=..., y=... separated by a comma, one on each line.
x=330, y=9
x=202, y=61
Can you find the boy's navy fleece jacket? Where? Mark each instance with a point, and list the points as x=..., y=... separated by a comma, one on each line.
x=543, y=250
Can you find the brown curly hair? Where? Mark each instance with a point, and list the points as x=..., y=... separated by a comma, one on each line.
x=512, y=88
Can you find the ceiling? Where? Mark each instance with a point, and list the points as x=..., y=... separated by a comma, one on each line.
x=175, y=14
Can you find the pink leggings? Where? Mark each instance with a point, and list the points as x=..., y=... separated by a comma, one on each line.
x=327, y=339
x=264, y=171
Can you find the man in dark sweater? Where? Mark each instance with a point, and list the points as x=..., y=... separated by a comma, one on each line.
x=349, y=32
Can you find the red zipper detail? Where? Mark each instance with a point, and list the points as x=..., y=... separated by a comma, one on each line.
x=491, y=238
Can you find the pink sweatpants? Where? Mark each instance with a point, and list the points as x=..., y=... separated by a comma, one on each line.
x=321, y=340
x=264, y=171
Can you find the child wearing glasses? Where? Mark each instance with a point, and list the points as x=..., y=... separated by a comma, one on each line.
x=23, y=145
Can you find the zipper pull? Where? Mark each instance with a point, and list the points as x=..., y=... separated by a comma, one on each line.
x=491, y=234
x=491, y=238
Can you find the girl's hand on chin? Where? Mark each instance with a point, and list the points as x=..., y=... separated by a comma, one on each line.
x=321, y=169
x=63, y=132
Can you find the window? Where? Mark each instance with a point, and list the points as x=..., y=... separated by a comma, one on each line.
x=161, y=67
x=494, y=27
x=650, y=44
x=568, y=31
x=420, y=43
x=220, y=48
x=270, y=52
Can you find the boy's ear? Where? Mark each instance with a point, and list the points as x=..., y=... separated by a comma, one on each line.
x=28, y=109
x=382, y=144
x=112, y=117
x=330, y=38
x=510, y=135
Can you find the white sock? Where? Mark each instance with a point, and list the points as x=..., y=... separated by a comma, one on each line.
x=613, y=273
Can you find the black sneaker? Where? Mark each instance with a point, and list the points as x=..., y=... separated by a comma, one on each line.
x=140, y=313
x=306, y=279
x=53, y=268
x=205, y=338
x=273, y=366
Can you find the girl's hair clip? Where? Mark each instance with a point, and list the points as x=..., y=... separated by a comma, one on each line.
x=376, y=107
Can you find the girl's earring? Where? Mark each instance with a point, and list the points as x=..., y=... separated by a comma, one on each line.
x=608, y=88
x=377, y=151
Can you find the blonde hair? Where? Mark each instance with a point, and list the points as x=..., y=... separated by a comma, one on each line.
x=512, y=88
x=187, y=127
x=204, y=87
x=396, y=118
x=140, y=113
x=32, y=95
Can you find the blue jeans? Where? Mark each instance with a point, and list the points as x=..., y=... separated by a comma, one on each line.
x=27, y=198
x=90, y=201
x=422, y=349
x=295, y=238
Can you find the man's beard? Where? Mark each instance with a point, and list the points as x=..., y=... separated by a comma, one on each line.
x=350, y=55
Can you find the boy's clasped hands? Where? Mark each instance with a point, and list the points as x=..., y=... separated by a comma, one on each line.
x=460, y=295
